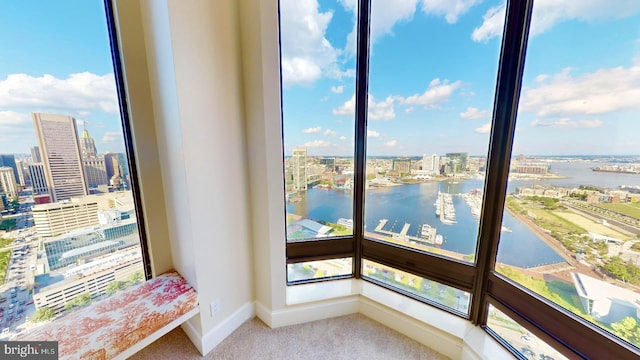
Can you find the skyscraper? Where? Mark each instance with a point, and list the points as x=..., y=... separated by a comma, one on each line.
x=94, y=166
x=35, y=154
x=10, y=161
x=299, y=169
x=431, y=164
x=8, y=182
x=114, y=170
x=38, y=178
x=60, y=150
x=87, y=145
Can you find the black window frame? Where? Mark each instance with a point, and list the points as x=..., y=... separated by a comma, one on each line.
x=567, y=333
x=128, y=135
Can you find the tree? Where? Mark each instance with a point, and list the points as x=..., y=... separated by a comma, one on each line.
x=43, y=314
x=115, y=287
x=80, y=300
x=628, y=329
x=136, y=277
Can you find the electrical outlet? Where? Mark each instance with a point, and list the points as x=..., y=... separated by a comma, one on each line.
x=215, y=307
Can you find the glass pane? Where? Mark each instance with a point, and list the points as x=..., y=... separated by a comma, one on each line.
x=431, y=88
x=319, y=269
x=69, y=233
x=573, y=198
x=429, y=290
x=526, y=344
x=317, y=68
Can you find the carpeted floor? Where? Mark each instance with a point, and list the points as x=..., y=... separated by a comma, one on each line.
x=347, y=337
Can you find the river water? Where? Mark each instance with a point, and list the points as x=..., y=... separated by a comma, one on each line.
x=413, y=204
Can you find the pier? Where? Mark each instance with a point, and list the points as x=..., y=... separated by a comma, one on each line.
x=402, y=235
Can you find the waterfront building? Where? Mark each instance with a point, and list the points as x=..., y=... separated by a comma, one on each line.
x=35, y=154
x=60, y=150
x=10, y=161
x=527, y=167
x=456, y=163
x=38, y=178
x=56, y=290
x=431, y=164
x=401, y=165
x=329, y=162
x=299, y=169
x=8, y=182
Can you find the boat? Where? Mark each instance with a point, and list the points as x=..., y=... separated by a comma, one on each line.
x=439, y=239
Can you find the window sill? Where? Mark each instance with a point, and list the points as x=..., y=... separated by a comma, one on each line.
x=124, y=323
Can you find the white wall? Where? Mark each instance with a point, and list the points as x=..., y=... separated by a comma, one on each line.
x=260, y=59
x=195, y=81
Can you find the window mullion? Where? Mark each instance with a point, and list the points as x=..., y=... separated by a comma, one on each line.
x=512, y=56
x=362, y=85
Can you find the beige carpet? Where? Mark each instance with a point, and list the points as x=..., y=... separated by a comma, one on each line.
x=347, y=337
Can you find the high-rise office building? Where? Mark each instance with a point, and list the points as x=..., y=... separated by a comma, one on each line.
x=10, y=161
x=299, y=169
x=95, y=171
x=456, y=163
x=87, y=145
x=8, y=182
x=60, y=150
x=402, y=165
x=38, y=178
x=115, y=173
x=22, y=176
x=431, y=164
x=35, y=154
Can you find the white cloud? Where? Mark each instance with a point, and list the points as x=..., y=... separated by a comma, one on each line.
x=330, y=132
x=451, y=9
x=568, y=124
x=307, y=55
x=81, y=92
x=473, y=113
x=337, y=89
x=317, y=143
x=342, y=138
x=438, y=92
x=484, y=129
x=111, y=136
x=373, y=134
x=602, y=91
x=391, y=143
x=12, y=118
x=383, y=110
x=409, y=110
x=313, y=130
x=547, y=13
x=384, y=15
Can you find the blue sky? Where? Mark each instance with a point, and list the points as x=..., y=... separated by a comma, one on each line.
x=55, y=57
x=433, y=70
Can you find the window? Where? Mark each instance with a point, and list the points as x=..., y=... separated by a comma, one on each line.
x=438, y=90
x=71, y=226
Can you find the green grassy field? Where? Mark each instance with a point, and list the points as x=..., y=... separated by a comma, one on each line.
x=629, y=209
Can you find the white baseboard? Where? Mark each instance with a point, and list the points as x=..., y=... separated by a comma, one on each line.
x=213, y=337
x=434, y=338
x=299, y=314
